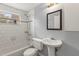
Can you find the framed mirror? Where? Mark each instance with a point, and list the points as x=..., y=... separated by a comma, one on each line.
x=54, y=20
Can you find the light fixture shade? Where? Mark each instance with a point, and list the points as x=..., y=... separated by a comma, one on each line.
x=51, y=4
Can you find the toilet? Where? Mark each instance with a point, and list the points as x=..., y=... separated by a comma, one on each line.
x=37, y=46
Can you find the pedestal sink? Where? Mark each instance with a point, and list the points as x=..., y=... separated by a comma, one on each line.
x=51, y=45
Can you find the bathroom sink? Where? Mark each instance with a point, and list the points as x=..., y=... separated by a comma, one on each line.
x=52, y=43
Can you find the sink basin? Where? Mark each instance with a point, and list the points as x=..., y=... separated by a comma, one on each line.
x=52, y=43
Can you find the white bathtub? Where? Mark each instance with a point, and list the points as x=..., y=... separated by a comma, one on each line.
x=18, y=52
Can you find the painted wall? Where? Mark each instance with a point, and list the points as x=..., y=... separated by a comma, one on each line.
x=70, y=39
x=12, y=36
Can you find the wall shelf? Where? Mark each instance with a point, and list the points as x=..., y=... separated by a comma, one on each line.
x=7, y=17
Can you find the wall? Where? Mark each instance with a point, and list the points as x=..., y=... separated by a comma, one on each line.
x=12, y=36
x=70, y=39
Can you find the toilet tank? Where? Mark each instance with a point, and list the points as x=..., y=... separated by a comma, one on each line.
x=36, y=42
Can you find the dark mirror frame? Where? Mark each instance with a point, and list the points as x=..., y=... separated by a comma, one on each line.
x=60, y=20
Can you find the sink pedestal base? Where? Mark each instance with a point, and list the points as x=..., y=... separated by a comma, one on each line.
x=51, y=51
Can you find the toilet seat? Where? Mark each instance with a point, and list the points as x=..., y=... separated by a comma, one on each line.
x=30, y=52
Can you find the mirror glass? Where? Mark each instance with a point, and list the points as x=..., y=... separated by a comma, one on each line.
x=54, y=20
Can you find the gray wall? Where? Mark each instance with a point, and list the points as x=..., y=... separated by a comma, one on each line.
x=70, y=39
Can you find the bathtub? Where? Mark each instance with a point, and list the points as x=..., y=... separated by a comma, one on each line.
x=18, y=52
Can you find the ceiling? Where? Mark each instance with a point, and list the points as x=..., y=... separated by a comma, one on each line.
x=23, y=6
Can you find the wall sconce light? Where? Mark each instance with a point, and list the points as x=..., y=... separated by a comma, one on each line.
x=51, y=4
